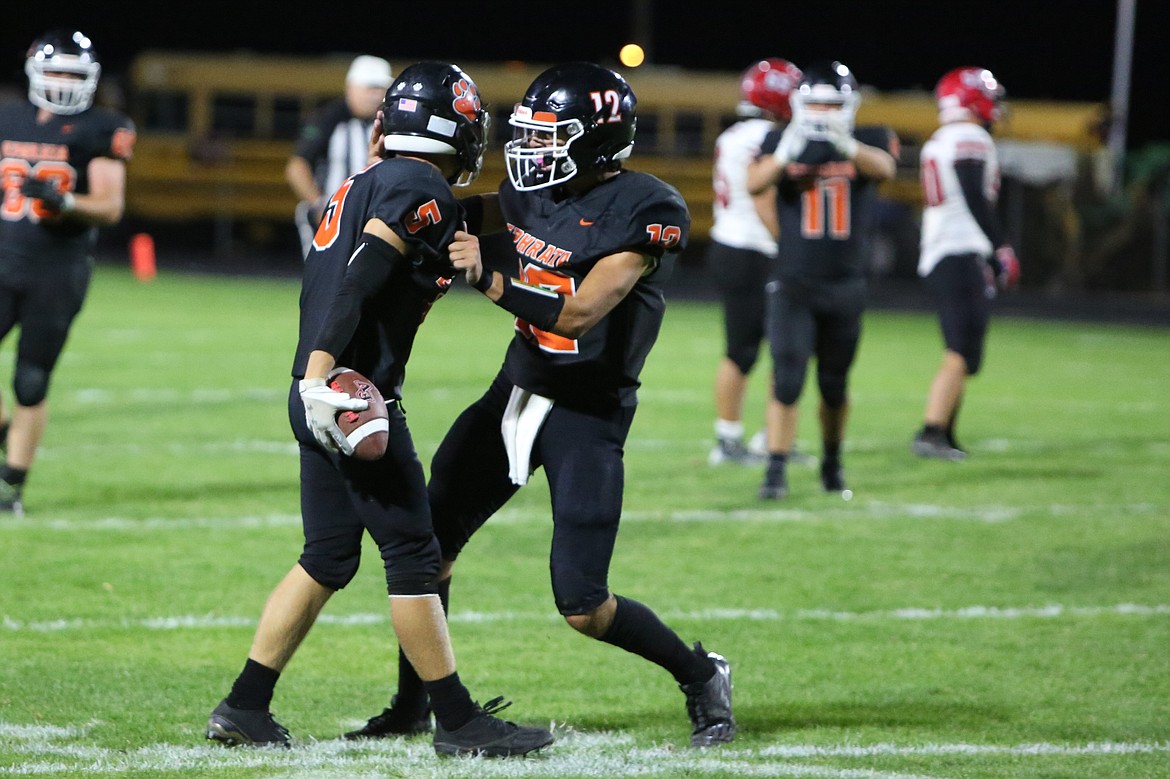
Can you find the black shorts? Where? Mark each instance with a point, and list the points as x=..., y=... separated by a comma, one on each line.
x=741, y=275
x=45, y=305
x=813, y=318
x=342, y=497
x=581, y=453
x=959, y=287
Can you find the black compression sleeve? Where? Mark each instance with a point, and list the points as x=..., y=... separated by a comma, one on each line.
x=537, y=306
x=473, y=205
x=370, y=266
x=970, y=175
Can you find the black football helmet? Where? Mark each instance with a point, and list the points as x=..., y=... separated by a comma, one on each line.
x=50, y=57
x=574, y=118
x=825, y=83
x=434, y=108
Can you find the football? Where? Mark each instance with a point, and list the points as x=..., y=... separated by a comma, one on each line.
x=367, y=431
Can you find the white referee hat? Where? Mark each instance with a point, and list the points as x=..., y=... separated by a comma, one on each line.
x=369, y=72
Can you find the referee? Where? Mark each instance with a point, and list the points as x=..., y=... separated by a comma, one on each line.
x=334, y=143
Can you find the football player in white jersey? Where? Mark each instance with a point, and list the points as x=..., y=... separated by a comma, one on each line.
x=743, y=247
x=965, y=256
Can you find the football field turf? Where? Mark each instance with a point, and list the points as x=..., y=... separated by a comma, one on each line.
x=1008, y=616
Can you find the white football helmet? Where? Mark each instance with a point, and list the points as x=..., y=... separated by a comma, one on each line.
x=63, y=72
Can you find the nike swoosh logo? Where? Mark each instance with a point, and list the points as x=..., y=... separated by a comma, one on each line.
x=585, y=223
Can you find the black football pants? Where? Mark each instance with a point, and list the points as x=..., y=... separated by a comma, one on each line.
x=581, y=454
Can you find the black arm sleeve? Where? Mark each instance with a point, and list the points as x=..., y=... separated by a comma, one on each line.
x=473, y=205
x=539, y=307
x=370, y=266
x=970, y=175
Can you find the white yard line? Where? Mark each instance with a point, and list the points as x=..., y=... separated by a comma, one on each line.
x=856, y=510
x=50, y=750
x=9, y=624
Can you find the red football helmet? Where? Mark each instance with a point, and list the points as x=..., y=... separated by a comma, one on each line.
x=765, y=86
x=969, y=93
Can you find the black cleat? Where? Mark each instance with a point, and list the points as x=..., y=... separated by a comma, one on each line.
x=709, y=704
x=935, y=446
x=775, y=486
x=489, y=736
x=832, y=477
x=250, y=727
x=10, y=498
x=394, y=721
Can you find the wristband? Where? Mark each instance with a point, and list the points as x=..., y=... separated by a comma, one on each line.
x=485, y=281
x=67, y=202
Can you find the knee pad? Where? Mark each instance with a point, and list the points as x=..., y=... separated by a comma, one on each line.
x=329, y=570
x=30, y=383
x=412, y=567
x=788, y=378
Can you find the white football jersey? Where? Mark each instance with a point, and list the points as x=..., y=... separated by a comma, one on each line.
x=736, y=222
x=947, y=224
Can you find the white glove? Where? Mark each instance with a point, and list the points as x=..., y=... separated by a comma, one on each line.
x=792, y=143
x=321, y=407
x=838, y=133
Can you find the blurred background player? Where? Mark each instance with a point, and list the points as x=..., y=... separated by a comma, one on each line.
x=743, y=248
x=64, y=164
x=386, y=251
x=965, y=255
x=589, y=239
x=333, y=143
x=825, y=175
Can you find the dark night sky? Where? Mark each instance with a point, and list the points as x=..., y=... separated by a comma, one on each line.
x=1038, y=48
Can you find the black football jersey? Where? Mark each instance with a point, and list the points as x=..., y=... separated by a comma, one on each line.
x=556, y=240
x=414, y=201
x=825, y=208
x=59, y=150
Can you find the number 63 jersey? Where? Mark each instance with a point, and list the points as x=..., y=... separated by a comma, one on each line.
x=558, y=238
x=58, y=151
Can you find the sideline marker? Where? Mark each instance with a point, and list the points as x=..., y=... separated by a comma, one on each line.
x=142, y=257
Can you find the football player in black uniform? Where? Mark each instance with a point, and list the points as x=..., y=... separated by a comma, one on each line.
x=380, y=258
x=589, y=239
x=825, y=175
x=63, y=163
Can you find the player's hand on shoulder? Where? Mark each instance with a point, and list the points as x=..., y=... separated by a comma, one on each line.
x=1006, y=267
x=465, y=256
x=322, y=404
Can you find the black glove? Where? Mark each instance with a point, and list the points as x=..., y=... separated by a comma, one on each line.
x=46, y=192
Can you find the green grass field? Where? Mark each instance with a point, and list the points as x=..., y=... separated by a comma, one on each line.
x=1008, y=616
